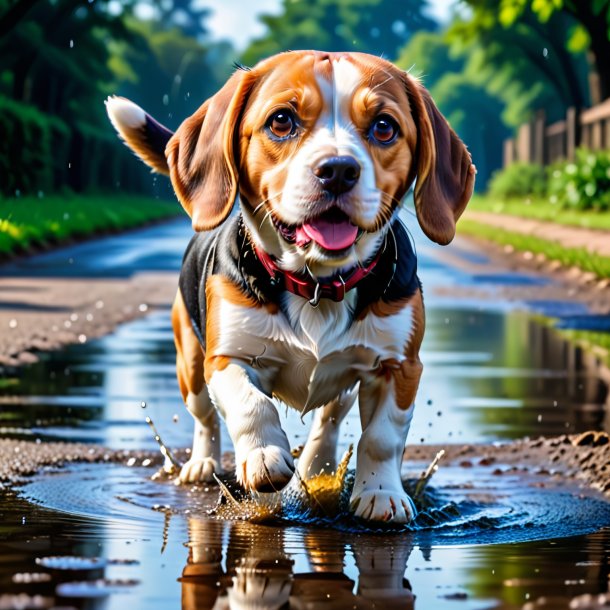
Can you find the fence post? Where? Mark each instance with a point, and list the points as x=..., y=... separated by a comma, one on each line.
x=509, y=152
x=539, y=139
x=571, y=133
x=524, y=143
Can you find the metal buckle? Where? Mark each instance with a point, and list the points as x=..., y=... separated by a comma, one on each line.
x=317, y=295
x=343, y=285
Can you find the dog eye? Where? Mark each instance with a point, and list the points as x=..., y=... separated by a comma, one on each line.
x=281, y=124
x=384, y=129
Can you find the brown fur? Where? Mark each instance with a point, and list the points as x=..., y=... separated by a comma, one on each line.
x=445, y=174
x=405, y=373
x=189, y=354
x=217, y=289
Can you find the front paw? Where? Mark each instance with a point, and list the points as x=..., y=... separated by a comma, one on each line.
x=266, y=469
x=383, y=505
x=198, y=470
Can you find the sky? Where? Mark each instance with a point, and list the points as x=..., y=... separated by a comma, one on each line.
x=236, y=20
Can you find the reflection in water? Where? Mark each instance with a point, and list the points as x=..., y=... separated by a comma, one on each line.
x=488, y=376
x=259, y=573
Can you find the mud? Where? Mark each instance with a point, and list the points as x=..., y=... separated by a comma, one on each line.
x=583, y=458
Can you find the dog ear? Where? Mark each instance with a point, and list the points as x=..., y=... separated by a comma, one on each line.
x=140, y=132
x=445, y=173
x=201, y=155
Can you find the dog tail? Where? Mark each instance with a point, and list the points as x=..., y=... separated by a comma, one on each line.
x=143, y=134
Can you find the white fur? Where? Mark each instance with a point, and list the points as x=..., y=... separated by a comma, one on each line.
x=378, y=494
x=262, y=451
x=333, y=135
x=274, y=355
x=205, y=456
x=124, y=114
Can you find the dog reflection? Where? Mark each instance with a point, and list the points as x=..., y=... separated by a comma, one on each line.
x=244, y=566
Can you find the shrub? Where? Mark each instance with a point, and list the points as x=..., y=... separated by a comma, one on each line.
x=583, y=184
x=27, y=155
x=518, y=180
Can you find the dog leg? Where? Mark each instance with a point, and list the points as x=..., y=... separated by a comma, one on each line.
x=205, y=455
x=378, y=494
x=320, y=451
x=262, y=453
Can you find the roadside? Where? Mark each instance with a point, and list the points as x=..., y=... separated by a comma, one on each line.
x=76, y=293
x=32, y=224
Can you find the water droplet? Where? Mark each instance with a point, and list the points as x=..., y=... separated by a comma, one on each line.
x=143, y=307
x=99, y=304
x=12, y=323
x=82, y=338
x=143, y=405
x=71, y=43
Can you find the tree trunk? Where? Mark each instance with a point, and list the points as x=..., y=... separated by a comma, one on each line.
x=597, y=27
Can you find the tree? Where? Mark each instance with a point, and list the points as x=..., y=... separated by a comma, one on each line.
x=380, y=27
x=453, y=79
x=589, y=28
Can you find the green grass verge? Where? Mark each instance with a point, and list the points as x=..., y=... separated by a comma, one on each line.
x=32, y=221
x=541, y=209
x=570, y=257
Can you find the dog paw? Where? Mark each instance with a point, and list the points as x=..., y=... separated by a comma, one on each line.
x=266, y=469
x=383, y=505
x=198, y=470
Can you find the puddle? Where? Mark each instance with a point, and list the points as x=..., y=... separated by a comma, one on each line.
x=491, y=374
x=152, y=545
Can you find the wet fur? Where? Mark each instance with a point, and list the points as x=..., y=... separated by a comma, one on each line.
x=310, y=358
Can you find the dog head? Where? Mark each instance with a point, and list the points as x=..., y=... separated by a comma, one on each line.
x=321, y=148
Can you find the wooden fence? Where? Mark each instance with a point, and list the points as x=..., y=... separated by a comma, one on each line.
x=537, y=142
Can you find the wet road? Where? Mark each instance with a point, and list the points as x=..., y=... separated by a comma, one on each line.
x=492, y=372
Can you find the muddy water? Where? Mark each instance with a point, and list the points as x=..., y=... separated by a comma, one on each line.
x=492, y=373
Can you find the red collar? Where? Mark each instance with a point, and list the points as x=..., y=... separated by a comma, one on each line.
x=313, y=290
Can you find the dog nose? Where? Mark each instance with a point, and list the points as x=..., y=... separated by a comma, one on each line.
x=338, y=174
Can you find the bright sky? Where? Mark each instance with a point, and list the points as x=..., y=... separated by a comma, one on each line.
x=237, y=19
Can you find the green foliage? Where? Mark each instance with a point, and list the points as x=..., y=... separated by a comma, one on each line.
x=26, y=147
x=428, y=56
x=380, y=27
x=61, y=58
x=526, y=65
x=456, y=87
x=32, y=221
x=519, y=180
x=583, y=184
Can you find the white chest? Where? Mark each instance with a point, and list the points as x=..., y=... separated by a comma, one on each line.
x=309, y=355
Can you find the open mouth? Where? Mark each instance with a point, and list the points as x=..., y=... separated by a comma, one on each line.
x=332, y=230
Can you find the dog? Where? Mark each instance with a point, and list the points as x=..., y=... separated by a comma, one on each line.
x=307, y=294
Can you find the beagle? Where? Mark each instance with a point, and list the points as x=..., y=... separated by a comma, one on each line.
x=308, y=293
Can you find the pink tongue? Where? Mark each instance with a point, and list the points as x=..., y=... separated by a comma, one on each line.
x=330, y=235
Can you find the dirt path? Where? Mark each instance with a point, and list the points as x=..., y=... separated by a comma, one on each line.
x=75, y=293
x=591, y=240
x=41, y=314
x=583, y=458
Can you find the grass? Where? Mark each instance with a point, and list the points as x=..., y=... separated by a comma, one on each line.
x=569, y=257
x=31, y=221
x=539, y=208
